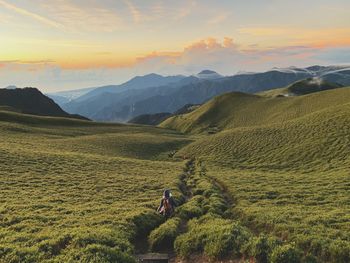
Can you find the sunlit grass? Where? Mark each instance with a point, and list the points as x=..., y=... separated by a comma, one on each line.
x=69, y=190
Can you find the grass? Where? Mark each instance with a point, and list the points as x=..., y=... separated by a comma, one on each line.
x=215, y=237
x=164, y=236
x=239, y=110
x=286, y=163
x=74, y=191
x=270, y=181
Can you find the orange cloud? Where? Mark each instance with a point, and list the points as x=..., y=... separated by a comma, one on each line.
x=209, y=44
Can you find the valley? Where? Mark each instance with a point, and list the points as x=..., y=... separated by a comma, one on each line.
x=269, y=172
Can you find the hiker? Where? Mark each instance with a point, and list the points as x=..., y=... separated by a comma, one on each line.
x=167, y=204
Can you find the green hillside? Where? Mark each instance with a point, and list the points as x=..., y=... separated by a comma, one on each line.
x=285, y=161
x=76, y=191
x=234, y=110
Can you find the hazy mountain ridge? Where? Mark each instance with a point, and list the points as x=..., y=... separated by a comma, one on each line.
x=167, y=94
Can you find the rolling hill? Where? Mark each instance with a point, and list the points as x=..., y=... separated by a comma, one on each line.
x=234, y=110
x=285, y=161
x=32, y=101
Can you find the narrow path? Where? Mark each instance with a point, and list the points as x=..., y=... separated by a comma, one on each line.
x=192, y=181
x=141, y=243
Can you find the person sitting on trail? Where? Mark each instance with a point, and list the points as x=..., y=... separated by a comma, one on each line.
x=167, y=204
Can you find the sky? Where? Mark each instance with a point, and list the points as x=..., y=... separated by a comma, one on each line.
x=58, y=45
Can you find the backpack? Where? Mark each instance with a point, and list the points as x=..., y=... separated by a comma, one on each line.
x=167, y=207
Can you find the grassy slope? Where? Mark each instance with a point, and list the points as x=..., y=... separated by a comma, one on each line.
x=243, y=110
x=71, y=188
x=285, y=160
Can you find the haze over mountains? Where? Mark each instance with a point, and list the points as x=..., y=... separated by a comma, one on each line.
x=153, y=93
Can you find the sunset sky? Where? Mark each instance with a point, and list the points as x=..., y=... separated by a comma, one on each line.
x=67, y=44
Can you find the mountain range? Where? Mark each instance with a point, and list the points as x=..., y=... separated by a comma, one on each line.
x=153, y=93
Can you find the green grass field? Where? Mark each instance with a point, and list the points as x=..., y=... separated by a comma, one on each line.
x=70, y=188
x=268, y=181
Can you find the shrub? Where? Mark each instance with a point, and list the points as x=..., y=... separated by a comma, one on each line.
x=96, y=253
x=340, y=251
x=164, y=235
x=104, y=237
x=192, y=208
x=310, y=259
x=52, y=247
x=18, y=255
x=261, y=248
x=145, y=222
x=286, y=254
x=215, y=237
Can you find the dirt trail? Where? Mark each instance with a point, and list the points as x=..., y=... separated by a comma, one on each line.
x=141, y=243
x=192, y=167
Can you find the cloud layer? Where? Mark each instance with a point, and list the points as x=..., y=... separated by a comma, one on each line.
x=65, y=44
x=224, y=56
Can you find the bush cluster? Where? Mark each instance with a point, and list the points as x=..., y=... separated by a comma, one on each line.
x=164, y=236
x=215, y=237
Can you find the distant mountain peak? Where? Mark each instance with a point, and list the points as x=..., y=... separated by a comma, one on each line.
x=207, y=71
x=150, y=75
x=11, y=87
x=208, y=74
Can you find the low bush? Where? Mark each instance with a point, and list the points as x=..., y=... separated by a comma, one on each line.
x=18, y=255
x=164, y=236
x=192, y=208
x=261, y=247
x=96, y=253
x=106, y=237
x=145, y=222
x=340, y=251
x=286, y=254
x=52, y=247
x=215, y=237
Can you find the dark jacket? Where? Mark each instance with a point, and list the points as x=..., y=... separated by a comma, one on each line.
x=171, y=201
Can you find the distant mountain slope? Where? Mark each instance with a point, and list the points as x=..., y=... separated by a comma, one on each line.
x=136, y=83
x=32, y=101
x=169, y=99
x=304, y=87
x=60, y=100
x=233, y=110
x=157, y=118
x=118, y=106
x=136, y=97
x=150, y=119
x=68, y=95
